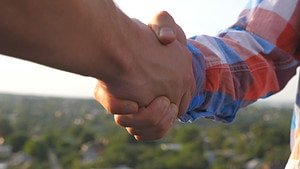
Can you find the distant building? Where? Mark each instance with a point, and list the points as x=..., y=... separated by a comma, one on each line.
x=171, y=146
x=90, y=151
x=19, y=159
x=5, y=151
x=253, y=164
x=3, y=165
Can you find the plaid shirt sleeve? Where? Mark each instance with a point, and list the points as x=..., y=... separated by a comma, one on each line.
x=253, y=59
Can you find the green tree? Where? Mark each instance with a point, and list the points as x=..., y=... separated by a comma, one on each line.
x=216, y=137
x=52, y=137
x=71, y=160
x=75, y=131
x=17, y=141
x=87, y=136
x=37, y=149
x=260, y=137
x=5, y=127
x=191, y=156
x=187, y=134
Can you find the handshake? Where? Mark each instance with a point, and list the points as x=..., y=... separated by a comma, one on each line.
x=155, y=82
x=145, y=72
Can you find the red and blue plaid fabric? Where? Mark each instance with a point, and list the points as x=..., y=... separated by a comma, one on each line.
x=253, y=59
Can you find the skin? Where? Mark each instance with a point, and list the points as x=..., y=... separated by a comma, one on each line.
x=94, y=38
x=154, y=121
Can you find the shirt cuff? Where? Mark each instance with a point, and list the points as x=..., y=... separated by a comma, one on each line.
x=199, y=75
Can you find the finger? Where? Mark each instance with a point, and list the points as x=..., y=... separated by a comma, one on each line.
x=164, y=26
x=166, y=29
x=164, y=124
x=146, y=116
x=158, y=131
x=186, y=100
x=183, y=106
x=170, y=116
x=112, y=104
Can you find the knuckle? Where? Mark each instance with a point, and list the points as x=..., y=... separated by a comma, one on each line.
x=152, y=121
x=131, y=131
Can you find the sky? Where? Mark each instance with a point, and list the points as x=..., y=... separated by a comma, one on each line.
x=194, y=16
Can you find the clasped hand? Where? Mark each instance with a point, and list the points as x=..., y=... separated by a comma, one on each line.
x=158, y=85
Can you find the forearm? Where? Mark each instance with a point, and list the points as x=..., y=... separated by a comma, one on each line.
x=83, y=37
x=94, y=38
x=226, y=82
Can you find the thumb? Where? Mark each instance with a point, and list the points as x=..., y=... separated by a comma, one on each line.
x=164, y=26
x=113, y=104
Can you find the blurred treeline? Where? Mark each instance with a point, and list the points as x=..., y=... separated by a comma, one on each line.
x=65, y=133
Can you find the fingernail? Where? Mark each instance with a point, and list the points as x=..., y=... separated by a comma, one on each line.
x=164, y=104
x=166, y=31
x=173, y=111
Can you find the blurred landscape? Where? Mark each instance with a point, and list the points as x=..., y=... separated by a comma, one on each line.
x=68, y=133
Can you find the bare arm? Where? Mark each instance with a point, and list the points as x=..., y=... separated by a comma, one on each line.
x=94, y=38
x=79, y=36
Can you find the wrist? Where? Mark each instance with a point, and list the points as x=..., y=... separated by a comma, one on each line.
x=121, y=50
